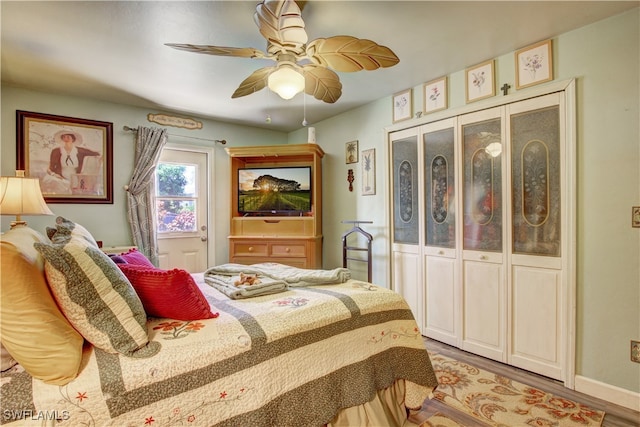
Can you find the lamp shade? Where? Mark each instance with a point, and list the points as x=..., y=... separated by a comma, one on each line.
x=21, y=196
x=286, y=81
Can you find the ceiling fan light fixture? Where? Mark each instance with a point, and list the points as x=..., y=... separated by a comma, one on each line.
x=286, y=81
x=494, y=149
x=301, y=65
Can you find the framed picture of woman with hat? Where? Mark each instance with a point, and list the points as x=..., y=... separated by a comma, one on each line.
x=72, y=157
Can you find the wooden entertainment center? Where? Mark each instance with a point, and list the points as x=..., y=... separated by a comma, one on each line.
x=293, y=239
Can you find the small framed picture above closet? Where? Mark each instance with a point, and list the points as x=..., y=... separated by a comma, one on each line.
x=480, y=81
x=402, y=105
x=434, y=95
x=534, y=64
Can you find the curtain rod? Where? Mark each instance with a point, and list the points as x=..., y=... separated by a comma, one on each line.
x=221, y=141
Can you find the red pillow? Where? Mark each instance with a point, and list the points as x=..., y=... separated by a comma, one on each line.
x=169, y=294
x=135, y=257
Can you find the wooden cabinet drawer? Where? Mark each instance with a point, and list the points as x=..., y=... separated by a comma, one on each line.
x=302, y=226
x=250, y=249
x=302, y=253
x=288, y=250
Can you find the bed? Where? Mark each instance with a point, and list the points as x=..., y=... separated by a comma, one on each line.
x=309, y=354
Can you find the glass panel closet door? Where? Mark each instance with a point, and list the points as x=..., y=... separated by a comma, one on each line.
x=484, y=277
x=406, y=223
x=406, y=211
x=440, y=187
x=538, y=283
x=483, y=185
x=440, y=261
x=535, y=182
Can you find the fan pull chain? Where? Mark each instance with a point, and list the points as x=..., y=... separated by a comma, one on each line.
x=304, y=106
x=268, y=118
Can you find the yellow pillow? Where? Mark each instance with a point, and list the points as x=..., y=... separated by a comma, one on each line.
x=32, y=328
x=23, y=238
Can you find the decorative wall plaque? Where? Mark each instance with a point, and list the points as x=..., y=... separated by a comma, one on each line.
x=175, y=121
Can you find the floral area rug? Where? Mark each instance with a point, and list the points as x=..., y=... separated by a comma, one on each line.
x=499, y=401
x=440, y=420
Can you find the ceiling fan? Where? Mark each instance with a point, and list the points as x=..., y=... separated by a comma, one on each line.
x=299, y=65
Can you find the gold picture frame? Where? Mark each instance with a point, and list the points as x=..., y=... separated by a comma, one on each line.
x=434, y=95
x=534, y=64
x=72, y=157
x=480, y=81
x=369, y=172
x=635, y=216
x=351, y=152
x=402, y=104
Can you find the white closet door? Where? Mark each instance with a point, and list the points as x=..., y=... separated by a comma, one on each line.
x=483, y=236
x=406, y=226
x=484, y=296
x=538, y=281
x=440, y=252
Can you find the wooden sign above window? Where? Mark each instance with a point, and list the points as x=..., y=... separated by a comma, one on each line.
x=175, y=121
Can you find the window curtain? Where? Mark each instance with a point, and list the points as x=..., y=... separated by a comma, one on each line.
x=140, y=194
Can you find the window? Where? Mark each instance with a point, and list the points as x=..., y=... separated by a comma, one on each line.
x=176, y=200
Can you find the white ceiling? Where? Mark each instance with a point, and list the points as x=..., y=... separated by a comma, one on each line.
x=114, y=50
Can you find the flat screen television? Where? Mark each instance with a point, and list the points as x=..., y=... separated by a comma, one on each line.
x=274, y=190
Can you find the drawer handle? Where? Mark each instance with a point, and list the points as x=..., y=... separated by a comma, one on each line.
x=483, y=257
x=272, y=221
x=440, y=252
x=250, y=248
x=287, y=250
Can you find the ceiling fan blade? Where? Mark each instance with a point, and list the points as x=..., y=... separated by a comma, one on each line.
x=254, y=83
x=347, y=53
x=244, y=52
x=322, y=83
x=280, y=22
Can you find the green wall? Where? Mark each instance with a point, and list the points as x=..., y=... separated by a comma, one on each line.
x=109, y=222
x=604, y=60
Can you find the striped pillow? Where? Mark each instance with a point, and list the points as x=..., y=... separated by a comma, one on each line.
x=97, y=298
x=65, y=228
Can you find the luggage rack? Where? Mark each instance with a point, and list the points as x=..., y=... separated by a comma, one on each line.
x=346, y=248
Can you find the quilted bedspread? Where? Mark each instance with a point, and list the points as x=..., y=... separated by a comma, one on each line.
x=288, y=359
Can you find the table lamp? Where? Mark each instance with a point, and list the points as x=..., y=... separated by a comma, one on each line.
x=21, y=196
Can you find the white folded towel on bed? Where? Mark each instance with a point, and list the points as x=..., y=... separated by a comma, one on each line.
x=293, y=276
x=226, y=285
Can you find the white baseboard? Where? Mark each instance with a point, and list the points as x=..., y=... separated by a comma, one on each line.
x=610, y=393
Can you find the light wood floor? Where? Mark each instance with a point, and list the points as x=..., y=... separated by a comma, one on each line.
x=615, y=415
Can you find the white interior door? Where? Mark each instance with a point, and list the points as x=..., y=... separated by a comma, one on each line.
x=440, y=252
x=484, y=309
x=406, y=226
x=182, y=198
x=538, y=250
